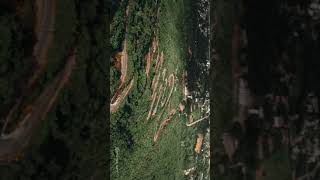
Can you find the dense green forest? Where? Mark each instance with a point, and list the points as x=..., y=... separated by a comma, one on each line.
x=221, y=21
x=72, y=140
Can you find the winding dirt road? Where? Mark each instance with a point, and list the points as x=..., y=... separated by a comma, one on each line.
x=115, y=105
x=31, y=114
x=121, y=92
x=44, y=27
x=11, y=145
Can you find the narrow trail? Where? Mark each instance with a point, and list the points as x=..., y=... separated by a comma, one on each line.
x=150, y=55
x=159, y=98
x=160, y=60
x=124, y=68
x=171, y=112
x=151, y=106
x=155, y=85
x=44, y=30
x=171, y=83
x=197, y=121
x=124, y=63
x=12, y=144
x=163, y=125
x=122, y=92
x=164, y=90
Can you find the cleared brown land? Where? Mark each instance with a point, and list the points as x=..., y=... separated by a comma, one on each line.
x=197, y=149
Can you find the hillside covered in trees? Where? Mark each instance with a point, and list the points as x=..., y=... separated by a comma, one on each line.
x=265, y=92
x=155, y=132
x=53, y=66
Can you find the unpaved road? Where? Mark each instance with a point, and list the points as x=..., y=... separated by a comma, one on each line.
x=45, y=20
x=124, y=63
x=171, y=83
x=162, y=125
x=11, y=145
x=114, y=106
x=199, y=120
x=121, y=93
x=150, y=55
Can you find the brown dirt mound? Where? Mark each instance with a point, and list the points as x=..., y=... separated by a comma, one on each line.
x=197, y=149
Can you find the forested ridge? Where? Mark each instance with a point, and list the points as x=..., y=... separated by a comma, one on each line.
x=71, y=142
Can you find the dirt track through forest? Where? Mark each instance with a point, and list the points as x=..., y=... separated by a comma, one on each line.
x=11, y=145
x=44, y=27
x=150, y=55
x=114, y=106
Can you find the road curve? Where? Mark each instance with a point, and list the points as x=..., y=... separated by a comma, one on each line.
x=11, y=145
x=44, y=26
